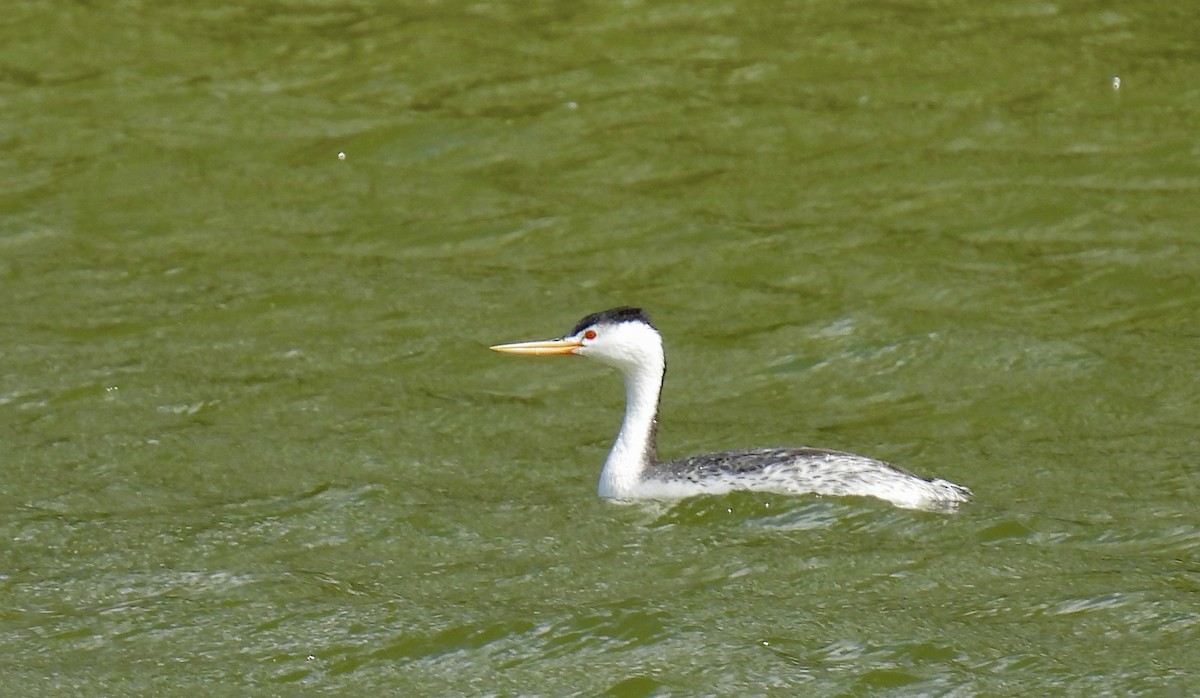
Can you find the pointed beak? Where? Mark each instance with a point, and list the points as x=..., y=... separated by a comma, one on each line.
x=546, y=347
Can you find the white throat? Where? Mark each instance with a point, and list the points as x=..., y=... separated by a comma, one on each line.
x=635, y=449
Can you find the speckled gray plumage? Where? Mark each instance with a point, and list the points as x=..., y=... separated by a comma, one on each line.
x=751, y=460
x=798, y=470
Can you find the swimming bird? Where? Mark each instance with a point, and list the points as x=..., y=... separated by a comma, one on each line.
x=625, y=339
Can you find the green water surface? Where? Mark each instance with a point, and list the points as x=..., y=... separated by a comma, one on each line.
x=252, y=441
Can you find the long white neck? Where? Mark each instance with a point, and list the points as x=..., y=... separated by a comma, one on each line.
x=635, y=449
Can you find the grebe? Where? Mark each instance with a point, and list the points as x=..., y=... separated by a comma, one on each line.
x=625, y=339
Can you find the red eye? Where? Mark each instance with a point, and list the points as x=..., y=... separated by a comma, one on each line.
x=590, y=334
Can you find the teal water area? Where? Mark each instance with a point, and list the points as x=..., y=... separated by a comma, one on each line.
x=253, y=442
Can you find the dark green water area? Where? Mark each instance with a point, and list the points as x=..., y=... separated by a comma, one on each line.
x=252, y=255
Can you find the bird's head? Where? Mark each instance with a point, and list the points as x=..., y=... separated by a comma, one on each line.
x=621, y=337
